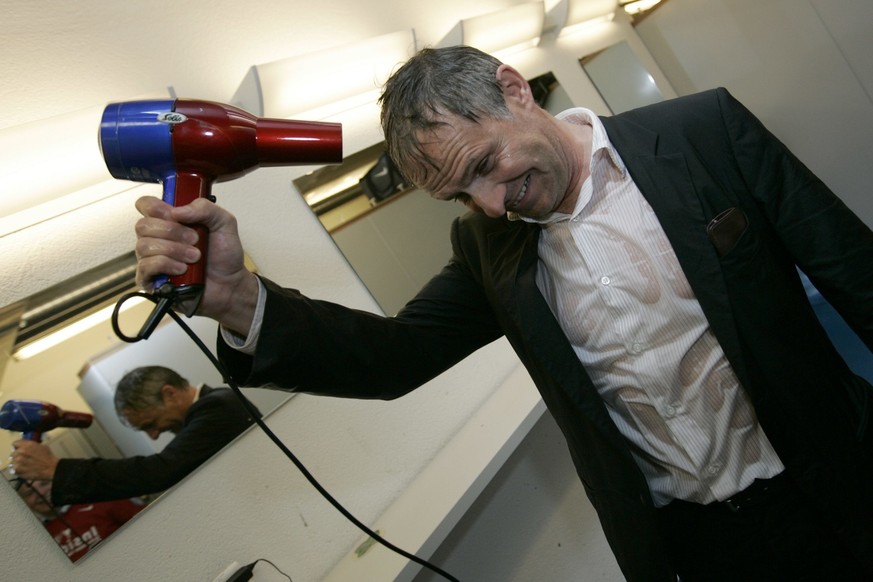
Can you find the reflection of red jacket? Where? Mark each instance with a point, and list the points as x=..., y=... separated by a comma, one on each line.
x=83, y=526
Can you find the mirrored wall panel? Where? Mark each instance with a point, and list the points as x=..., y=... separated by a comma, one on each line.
x=620, y=78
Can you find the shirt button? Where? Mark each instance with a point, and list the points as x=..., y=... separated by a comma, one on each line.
x=637, y=347
x=605, y=280
x=669, y=411
x=713, y=469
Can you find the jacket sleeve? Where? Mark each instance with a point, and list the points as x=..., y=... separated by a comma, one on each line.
x=212, y=422
x=320, y=347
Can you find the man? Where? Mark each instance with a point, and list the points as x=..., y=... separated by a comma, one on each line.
x=77, y=528
x=153, y=399
x=644, y=268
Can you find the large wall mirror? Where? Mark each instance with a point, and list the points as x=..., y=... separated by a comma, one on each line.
x=79, y=374
x=620, y=78
x=394, y=236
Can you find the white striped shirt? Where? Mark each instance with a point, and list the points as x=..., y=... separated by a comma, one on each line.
x=612, y=280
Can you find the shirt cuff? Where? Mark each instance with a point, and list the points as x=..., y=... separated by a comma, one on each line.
x=247, y=343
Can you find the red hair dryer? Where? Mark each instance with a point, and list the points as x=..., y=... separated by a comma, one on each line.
x=34, y=417
x=187, y=145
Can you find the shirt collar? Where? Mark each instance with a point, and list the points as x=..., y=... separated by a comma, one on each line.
x=601, y=150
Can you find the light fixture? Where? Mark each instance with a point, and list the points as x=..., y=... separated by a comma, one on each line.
x=68, y=308
x=505, y=30
x=320, y=84
x=49, y=341
x=53, y=166
x=639, y=6
x=582, y=14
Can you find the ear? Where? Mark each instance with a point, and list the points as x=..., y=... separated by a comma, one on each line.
x=515, y=86
x=168, y=393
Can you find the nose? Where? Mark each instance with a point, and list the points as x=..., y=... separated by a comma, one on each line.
x=154, y=433
x=489, y=196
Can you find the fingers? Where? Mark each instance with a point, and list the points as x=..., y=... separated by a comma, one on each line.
x=200, y=211
x=24, y=446
x=163, y=247
x=32, y=460
x=19, y=457
x=165, y=244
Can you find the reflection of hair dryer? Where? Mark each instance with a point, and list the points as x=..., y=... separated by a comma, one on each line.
x=187, y=145
x=34, y=417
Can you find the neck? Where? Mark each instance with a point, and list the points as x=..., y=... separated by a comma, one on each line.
x=579, y=150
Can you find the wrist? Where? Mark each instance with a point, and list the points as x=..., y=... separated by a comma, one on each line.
x=240, y=306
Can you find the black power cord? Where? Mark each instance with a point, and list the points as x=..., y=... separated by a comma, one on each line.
x=164, y=307
x=246, y=572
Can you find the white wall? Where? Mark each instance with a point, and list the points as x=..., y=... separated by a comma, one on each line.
x=802, y=66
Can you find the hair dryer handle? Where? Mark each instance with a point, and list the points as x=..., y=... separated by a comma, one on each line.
x=32, y=435
x=186, y=290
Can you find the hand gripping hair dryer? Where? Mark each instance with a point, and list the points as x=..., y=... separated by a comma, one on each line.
x=34, y=417
x=187, y=145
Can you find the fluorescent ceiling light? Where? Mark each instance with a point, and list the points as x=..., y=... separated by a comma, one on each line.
x=583, y=14
x=640, y=6
x=52, y=166
x=505, y=30
x=323, y=83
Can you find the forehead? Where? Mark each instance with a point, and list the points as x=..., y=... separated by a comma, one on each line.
x=140, y=418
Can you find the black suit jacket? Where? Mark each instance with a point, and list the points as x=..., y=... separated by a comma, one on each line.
x=215, y=419
x=693, y=158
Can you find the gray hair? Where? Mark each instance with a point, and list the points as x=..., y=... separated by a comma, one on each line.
x=140, y=388
x=458, y=80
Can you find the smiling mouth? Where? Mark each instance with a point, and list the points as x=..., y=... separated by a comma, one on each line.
x=512, y=204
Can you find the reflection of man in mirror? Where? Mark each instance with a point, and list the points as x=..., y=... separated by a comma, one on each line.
x=153, y=399
x=77, y=528
x=644, y=268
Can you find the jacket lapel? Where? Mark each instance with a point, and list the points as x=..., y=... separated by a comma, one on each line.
x=684, y=207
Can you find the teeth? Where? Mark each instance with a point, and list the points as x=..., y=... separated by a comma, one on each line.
x=521, y=193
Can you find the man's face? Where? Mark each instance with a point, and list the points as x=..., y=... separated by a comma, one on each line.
x=36, y=495
x=521, y=164
x=159, y=419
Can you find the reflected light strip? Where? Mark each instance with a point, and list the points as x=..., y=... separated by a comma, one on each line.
x=75, y=328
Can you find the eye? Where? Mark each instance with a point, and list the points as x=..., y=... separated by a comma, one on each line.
x=482, y=168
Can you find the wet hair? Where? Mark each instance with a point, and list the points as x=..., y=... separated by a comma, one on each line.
x=435, y=83
x=140, y=388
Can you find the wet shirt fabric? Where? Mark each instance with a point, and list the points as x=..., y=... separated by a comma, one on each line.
x=611, y=278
